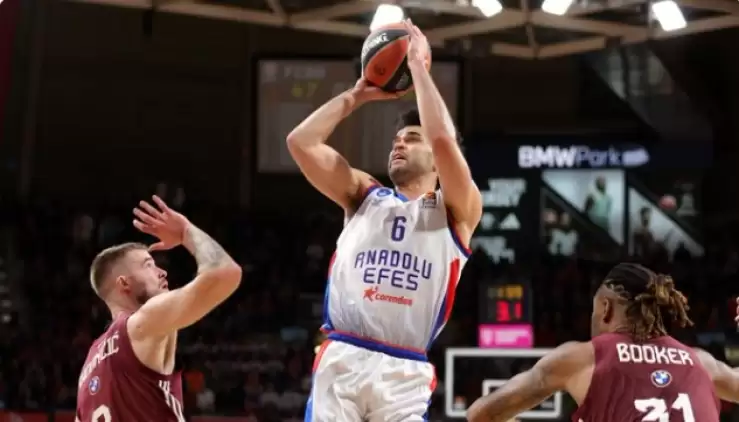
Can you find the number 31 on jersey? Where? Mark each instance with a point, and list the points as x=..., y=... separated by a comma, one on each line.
x=656, y=409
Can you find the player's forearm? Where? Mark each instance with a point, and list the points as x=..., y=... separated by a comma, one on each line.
x=435, y=118
x=521, y=393
x=317, y=127
x=209, y=255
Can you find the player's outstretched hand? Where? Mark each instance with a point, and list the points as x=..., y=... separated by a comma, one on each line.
x=419, y=50
x=164, y=223
x=364, y=92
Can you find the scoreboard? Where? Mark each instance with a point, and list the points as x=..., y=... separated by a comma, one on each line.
x=539, y=197
x=508, y=303
x=290, y=90
x=506, y=319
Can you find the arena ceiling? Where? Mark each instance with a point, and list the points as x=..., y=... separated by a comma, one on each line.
x=521, y=30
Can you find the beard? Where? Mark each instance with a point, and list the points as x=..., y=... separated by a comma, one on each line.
x=401, y=175
x=406, y=173
x=142, y=298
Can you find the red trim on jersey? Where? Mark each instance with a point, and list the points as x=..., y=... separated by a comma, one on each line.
x=451, y=288
x=455, y=234
x=434, y=380
x=321, y=350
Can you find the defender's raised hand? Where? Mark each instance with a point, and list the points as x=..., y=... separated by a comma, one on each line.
x=164, y=223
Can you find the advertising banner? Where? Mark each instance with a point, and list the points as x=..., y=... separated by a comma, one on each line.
x=518, y=336
x=579, y=198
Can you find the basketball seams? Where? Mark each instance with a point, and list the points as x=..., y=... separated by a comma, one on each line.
x=400, y=72
x=383, y=80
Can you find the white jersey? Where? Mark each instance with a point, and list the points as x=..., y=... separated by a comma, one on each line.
x=393, y=276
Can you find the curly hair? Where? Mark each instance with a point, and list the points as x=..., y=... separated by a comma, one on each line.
x=650, y=298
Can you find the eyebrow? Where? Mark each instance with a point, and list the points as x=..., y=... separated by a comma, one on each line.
x=413, y=132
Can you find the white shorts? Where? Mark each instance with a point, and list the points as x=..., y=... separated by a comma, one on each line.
x=354, y=384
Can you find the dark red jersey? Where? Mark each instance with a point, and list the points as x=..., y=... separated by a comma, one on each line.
x=661, y=380
x=115, y=386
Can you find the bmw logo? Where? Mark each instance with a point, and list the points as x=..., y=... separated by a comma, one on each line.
x=661, y=378
x=94, y=385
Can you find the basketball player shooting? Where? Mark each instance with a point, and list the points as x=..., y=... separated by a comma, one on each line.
x=128, y=375
x=631, y=370
x=392, y=279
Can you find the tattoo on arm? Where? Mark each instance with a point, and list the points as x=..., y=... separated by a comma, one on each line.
x=207, y=252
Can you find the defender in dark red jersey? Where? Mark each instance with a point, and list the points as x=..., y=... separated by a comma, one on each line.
x=128, y=375
x=631, y=370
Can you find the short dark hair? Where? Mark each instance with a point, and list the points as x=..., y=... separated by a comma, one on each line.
x=648, y=296
x=413, y=118
x=105, y=261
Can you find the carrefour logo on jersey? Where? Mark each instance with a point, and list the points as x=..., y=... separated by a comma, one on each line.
x=387, y=266
x=576, y=156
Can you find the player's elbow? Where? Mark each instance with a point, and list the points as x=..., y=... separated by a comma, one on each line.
x=300, y=147
x=229, y=274
x=222, y=280
x=293, y=138
x=296, y=140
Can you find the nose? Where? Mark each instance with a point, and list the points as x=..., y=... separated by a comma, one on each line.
x=398, y=142
x=162, y=274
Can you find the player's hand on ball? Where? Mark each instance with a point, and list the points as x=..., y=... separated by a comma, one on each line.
x=419, y=50
x=164, y=223
x=363, y=92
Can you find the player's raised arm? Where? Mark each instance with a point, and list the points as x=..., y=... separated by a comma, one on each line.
x=322, y=165
x=460, y=192
x=552, y=373
x=218, y=275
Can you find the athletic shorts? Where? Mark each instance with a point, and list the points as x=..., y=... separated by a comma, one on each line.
x=352, y=383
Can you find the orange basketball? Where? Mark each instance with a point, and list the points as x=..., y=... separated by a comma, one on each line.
x=384, y=61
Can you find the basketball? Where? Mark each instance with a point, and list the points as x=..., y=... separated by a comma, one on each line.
x=384, y=61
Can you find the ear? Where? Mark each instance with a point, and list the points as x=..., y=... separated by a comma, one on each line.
x=123, y=283
x=607, y=311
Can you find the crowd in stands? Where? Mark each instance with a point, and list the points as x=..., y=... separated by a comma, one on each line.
x=253, y=356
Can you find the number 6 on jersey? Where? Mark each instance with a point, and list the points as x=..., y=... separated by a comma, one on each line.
x=397, y=232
